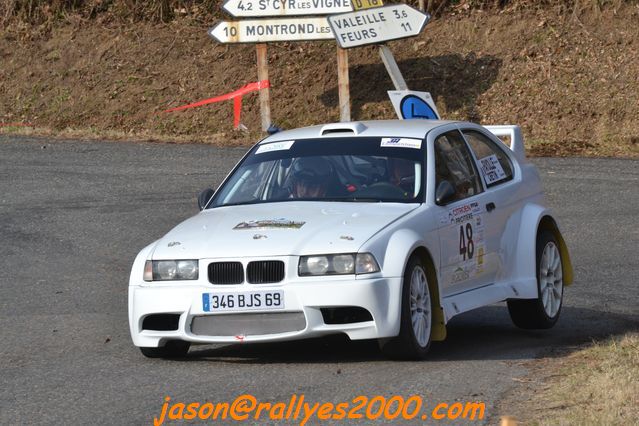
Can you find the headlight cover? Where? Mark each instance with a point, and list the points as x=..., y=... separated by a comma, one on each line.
x=171, y=270
x=337, y=264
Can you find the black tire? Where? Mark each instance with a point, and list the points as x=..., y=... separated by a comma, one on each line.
x=531, y=314
x=406, y=345
x=171, y=350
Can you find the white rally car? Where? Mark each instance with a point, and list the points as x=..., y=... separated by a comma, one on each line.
x=380, y=230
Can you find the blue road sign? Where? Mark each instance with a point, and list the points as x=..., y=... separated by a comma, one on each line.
x=412, y=106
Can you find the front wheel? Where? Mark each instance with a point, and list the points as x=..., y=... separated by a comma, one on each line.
x=542, y=312
x=413, y=340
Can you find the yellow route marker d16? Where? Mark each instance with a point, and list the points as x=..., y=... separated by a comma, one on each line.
x=366, y=4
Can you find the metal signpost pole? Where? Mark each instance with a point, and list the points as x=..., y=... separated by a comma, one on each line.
x=392, y=68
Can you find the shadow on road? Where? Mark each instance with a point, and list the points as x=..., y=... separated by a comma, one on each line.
x=455, y=80
x=484, y=334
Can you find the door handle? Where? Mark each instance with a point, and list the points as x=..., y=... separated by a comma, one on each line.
x=490, y=206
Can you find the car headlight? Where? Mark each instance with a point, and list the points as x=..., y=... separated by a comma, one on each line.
x=338, y=264
x=366, y=264
x=168, y=270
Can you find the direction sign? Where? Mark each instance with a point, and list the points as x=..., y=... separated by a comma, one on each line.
x=266, y=30
x=258, y=8
x=370, y=26
x=410, y=104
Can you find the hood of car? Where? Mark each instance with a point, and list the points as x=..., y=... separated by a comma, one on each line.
x=278, y=229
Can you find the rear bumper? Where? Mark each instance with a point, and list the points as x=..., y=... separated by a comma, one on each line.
x=381, y=297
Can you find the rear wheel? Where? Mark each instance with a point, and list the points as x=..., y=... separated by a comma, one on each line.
x=413, y=340
x=544, y=311
x=172, y=349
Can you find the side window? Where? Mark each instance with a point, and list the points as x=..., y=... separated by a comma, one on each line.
x=495, y=166
x=454, y=163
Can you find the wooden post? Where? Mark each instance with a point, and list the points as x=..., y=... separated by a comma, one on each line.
x=422, y=7
x=262, y=74
x=392, y=68
x=342, y=85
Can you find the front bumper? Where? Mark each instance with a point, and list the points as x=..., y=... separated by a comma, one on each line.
x=380, y=296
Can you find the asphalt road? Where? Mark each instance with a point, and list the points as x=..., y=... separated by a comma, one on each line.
x=74, y=214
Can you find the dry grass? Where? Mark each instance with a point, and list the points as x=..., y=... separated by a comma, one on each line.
x=48, y=11
x=570, y=82
x=598, y=385
x=232, y=138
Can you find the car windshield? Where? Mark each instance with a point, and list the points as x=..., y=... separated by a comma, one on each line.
x=378, y=169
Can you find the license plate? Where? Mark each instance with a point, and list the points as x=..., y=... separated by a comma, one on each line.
x=246, y=301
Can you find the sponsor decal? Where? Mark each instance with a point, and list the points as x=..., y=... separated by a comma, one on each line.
x=269, y=224
x=401, y=143
x=468, y=222
x=460, y=274
x=461, y=214
x=491, y=169
x=275, y=146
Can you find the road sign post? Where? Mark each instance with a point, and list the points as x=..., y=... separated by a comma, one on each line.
x=262, y=75
x=343, y=87
x=392, y=68
x=370, y=23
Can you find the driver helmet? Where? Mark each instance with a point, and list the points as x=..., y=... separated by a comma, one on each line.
x=310, y=177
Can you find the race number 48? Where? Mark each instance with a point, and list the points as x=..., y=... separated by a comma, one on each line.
x=466, y=244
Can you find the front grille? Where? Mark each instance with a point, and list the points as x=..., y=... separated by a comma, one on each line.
x=265, y=271
x=226, y=273
x=248, y=324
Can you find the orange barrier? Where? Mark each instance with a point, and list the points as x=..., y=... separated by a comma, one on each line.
x=235, y=95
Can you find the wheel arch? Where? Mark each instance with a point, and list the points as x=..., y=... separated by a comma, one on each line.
x=548, y=223
x=438, y=329
x=522, y=270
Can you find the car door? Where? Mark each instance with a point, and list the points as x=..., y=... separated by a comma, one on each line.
x=469, y=233
x=497, y=171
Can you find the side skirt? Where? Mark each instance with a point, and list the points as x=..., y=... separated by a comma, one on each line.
x=458, y=303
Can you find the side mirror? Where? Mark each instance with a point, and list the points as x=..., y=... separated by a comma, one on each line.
x=204, y=197
x=445, y=192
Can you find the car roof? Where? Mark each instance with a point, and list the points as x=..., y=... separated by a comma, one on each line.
x=390, y=128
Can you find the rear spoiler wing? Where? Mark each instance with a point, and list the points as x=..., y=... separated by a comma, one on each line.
x=516, y=138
